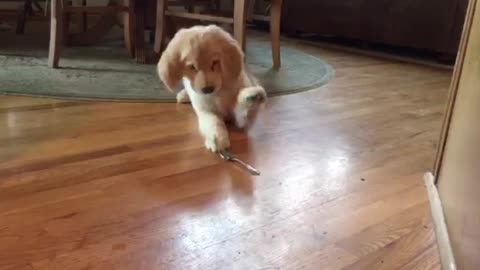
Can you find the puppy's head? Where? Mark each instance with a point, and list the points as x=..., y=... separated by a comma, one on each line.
x=205, y=55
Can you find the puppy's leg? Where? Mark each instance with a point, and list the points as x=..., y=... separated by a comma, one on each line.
x=214, y=131
x=182, y=97
x=249, y=101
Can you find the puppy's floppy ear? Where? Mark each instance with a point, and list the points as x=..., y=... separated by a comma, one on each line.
x=232, y=54
x=170, y=67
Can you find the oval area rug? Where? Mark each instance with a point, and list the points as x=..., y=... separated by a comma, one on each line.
x=107, y=73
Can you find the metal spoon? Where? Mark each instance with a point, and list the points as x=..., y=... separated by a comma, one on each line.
x=229, y=157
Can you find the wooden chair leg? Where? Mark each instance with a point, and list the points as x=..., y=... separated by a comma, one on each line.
x=83, y=18
x=129, y=28
x=22, y=18
x=275, y=14
x=56, y=33
x=240, y=21
x=160, y=27
x=66, y=22
x=139, y=26
x=38, y=6
x=250, y=10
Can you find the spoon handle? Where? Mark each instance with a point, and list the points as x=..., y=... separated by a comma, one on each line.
x=229, y=157
x=247, y=166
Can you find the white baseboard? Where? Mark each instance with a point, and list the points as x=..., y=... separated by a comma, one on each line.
x=443, y=240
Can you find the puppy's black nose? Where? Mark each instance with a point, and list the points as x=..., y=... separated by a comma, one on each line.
x=208, y=89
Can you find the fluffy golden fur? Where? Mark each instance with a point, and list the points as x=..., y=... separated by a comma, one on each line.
x=210, y=64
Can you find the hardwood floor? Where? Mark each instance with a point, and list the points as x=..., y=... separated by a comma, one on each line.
x=129, y=186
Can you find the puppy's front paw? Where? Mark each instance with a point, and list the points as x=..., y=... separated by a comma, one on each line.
x=252, y=96
x=218, y=142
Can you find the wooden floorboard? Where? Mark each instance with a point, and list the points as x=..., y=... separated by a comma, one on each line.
x=91, y=185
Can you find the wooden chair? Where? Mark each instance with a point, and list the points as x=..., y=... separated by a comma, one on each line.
x=27, y=10
x=59, y=34
x=240, y=13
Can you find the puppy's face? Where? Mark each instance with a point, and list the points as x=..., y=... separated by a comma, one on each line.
x=205, y=55
x=203, y=68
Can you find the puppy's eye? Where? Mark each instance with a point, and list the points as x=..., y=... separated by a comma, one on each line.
x=215, y=65
x=192, y=67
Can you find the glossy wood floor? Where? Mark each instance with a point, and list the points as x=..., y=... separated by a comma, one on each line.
x=129, y=186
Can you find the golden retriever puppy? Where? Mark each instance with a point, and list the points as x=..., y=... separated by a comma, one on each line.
x=210, y=64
